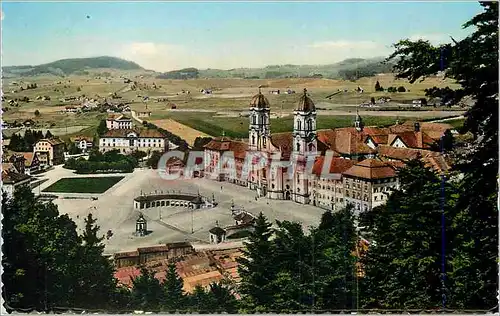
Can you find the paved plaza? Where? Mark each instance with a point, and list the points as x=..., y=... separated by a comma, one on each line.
x=114, y=208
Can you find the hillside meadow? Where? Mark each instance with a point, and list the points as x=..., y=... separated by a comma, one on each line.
x=229, y=95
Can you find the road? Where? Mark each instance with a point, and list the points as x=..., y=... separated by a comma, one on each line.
x=447, y=119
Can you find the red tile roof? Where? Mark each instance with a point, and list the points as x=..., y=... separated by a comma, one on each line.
x=337, y=166
x=400, y=153
x=412, y=139
x=371, y=169
x=221, y=144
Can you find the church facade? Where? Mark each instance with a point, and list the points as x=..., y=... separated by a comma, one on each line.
x=326, y=168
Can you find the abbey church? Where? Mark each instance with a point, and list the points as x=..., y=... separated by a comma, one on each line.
x=362, y=171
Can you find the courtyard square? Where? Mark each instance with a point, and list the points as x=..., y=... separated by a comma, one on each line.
x=114, y=209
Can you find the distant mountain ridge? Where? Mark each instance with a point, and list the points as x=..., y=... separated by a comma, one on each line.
x=349, y=69
x=72, y=66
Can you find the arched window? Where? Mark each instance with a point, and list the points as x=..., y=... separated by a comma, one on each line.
x=299, y=125
x=254, y=119
x=309, y=125
x=253, y=139
x=298, y=146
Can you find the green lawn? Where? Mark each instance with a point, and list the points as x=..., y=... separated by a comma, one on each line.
x=83, y=185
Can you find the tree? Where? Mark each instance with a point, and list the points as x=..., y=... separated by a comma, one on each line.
x=256, y=267
x=378, y=87
x=45, y=263
x=73, y=149
x=199, y=142
x=222, y=299
x=200, y=301
x=153, y=161
x=401, y=89
x=372, y=100
x=102, y=128
x=97, y=283
x=147, y=292
x=473, y=63
x=37, y=113
x=41, y=263
x=293, y=287
x=175, y=299
x=334, y=261
x=138, y=155
x=48, y=135
x=403, y=266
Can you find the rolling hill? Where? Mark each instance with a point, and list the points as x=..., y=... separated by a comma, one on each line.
x=349, y=69
x=71, y=66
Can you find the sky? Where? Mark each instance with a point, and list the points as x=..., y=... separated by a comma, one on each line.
x=165, y=36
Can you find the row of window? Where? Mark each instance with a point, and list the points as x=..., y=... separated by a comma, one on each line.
x=140, y=140
x=139, y=145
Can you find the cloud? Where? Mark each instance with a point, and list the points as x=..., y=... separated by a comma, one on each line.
x=150, y=49
x=161, y=56
x=343, y=44
x=435, y=38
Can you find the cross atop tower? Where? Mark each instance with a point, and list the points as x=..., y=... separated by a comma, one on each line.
x=305, y=91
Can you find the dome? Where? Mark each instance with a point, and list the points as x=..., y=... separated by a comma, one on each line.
x=305, y=104
x=259, y=101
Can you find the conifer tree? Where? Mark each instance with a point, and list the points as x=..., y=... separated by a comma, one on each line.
x=404, y=262
x=147, y=292
x=175, y=299
x=473, y=63
x=256, y=267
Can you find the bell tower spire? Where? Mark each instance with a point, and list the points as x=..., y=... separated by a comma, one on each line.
x=259, y=130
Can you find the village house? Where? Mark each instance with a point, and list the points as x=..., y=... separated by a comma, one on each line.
x=71, y=109
x=50, y=151
x=363, y=166
x=130, y=140
x=144, y=114
x=31, y=163
x=83, y=143
x=118, y=122
x=12, y=180
x=368, y=184
x=17, y=160
x=28, y=123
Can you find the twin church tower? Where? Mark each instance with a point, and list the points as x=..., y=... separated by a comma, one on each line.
x=304, y=125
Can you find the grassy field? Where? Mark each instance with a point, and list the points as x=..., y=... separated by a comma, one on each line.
x=456, y=123
x=238, y=126
x=83, y=185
